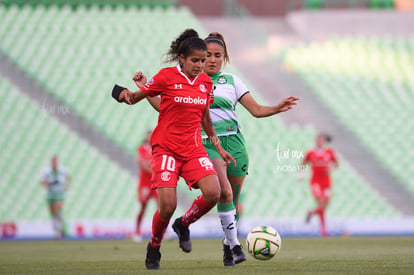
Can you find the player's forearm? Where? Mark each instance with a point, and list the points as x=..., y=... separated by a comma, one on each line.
x=265, y=111
x=137, y=96
x=146, y=166
x=208, y=127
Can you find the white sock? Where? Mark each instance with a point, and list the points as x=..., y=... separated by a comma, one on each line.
x=228, y=223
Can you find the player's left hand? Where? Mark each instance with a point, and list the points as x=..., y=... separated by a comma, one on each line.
x=140, y=79
x=227, y=157
x=287, y=104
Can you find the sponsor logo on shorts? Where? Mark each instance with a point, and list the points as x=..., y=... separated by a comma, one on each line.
x=165, y=176
x=190, y=100
x=205, y=162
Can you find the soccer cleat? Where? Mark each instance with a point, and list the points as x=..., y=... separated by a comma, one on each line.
x=227, y=256
x=238, y=254
x=183, y=235
x=152, y=261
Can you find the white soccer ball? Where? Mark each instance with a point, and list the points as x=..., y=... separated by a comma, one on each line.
x=263, y=242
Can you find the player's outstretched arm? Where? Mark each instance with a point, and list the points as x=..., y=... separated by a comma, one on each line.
x=211, y=133
x=122, y=94
x=258, y=110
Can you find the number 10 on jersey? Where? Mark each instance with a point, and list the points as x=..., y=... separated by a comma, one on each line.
x=168, y=163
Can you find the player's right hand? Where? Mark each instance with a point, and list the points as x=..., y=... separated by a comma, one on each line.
x=140, y=79
x=125, y=96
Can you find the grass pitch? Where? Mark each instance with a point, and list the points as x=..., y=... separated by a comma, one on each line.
x=308, y=255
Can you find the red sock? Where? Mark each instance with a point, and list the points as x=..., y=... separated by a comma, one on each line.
x=196, y=211
x=321, y=213
x=159, y=225
x=139, y=221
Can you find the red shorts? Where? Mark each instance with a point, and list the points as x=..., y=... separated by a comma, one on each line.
x=145, y=193
x=166, y=169
x=321, y=191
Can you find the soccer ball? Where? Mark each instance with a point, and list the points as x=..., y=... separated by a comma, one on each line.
x=263, y=242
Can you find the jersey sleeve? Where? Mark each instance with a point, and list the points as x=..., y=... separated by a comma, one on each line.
x=240, y=87
x=307, y=156
x=333, y=155
x=64, y=171
x=211, y=95
x=156, y=85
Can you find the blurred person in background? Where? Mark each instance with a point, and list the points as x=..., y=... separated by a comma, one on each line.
x=145, y=193
x=56, y=180
x=322, y=159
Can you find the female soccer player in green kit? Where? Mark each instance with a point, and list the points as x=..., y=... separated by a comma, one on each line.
x=229, y=90
x=56, y=180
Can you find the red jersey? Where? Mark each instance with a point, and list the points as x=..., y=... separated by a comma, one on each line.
x=144, y=154
x=320, y=160
x=183, y=102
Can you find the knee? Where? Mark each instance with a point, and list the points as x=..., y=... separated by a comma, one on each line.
x=226, y=195
x=166, y=210
x=212, y=197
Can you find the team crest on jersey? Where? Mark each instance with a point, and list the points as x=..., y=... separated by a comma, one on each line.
x=221, y=80
x=205, y=162
x=165, y=176
x=149, y=83
x=203, y=88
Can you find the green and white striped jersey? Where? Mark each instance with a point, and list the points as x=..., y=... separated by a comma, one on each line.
x=228, y=91
x=56, y=181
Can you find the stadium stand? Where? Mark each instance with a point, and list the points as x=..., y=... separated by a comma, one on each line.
x=77, y=55
x=367, y=82
x=30, y=137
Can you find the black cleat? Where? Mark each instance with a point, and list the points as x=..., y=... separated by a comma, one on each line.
x=227, y=256
x=183, y=235
x=238, y=254
x=152, y=261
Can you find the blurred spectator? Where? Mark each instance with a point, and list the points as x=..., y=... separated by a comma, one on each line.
x=145, y=193
x=322, y=159
x=57, y=180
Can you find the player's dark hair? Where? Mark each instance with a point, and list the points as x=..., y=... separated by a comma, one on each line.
x=328, y=137
x=184, y=44
x=218, y=38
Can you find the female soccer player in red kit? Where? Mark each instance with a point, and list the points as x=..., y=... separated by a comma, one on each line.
x=145, y=192
x=177, y=149
x=321, y=159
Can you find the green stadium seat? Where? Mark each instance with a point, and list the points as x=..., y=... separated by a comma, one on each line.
x=75, y=54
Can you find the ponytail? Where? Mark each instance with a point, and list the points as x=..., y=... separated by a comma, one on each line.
x=216, y=37
x=184, y=44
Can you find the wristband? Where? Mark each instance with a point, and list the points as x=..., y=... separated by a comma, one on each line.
x=116, y=91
